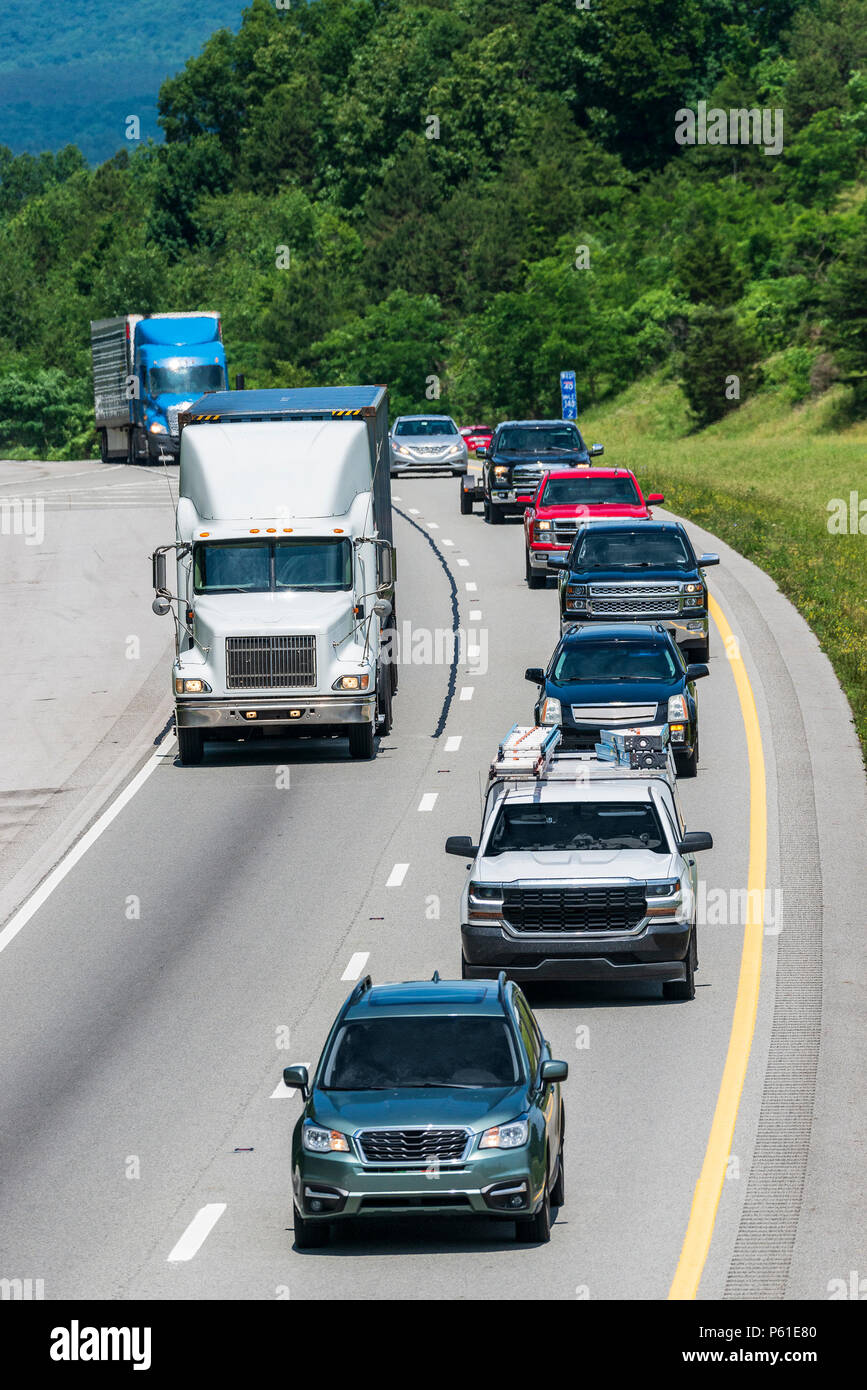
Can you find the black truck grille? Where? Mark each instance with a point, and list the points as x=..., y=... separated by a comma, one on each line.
x=411, y=1145
x=574, y=909
x=269, y=663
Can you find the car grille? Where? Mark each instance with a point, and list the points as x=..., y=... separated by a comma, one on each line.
x=269, y=663
x=564, y=532
x=411, y=1145
x=653, y=591
x=574, y=909
x=527, y=475
x=429, y=450
x=608, y=715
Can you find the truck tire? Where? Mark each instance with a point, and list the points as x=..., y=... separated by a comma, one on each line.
x=103, y=446
x=497, y=517
x=191, y=746
x=684, y=989
x=466, y=502
x=132, y=456
x=361, y=741
x=534, y=581
x=384, y=718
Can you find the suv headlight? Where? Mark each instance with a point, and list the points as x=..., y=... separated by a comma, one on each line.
x=662, y=887
x=510, y=1136
x=551, y=711
x=677, y=710
x=323, y=1141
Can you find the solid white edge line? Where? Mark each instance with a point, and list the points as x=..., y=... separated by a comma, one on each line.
x=78, y=851
x=357, y=962
x=197, y=1232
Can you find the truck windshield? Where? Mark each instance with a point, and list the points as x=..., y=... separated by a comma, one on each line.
x=520, y=440
x=263, y=566
x=614, y=661
x=633, y=550
x=584, y=825
x=424, y=428
x=591, y=492
x=384, y=1053
x=186, y=379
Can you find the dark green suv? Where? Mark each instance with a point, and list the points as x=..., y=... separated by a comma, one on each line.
x=437, y=1097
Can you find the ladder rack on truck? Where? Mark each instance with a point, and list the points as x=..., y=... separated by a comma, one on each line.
x=532, y=754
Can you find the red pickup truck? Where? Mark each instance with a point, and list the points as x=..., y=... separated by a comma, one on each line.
x=565, y=500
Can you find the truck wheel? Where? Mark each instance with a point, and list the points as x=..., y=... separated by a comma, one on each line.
x=537, y=1231
x=687, y=766
x=534, y=581
x=684, y=989
x=466, y=502
x=191, y=746
x=132, y=447
x=103, y=445
x=309, y=1235
x=497, y=517
x=383, y=702
x=361, y=744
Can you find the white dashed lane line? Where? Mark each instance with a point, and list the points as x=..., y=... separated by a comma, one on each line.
x=475, y=615
x=197, y=1232
x=428, y=801
x=453, y=743
x=397, y=876
x=471, y=587
x=356, y=964
x=433, y=526
x=467, y=692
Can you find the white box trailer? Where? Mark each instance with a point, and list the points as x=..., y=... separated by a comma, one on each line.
x=285, y=568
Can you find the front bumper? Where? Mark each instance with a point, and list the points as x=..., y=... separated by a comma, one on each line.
x=314, y=711
x=688, y=629
x=539, y=557
x=168, y=445
x=453, y=465
x=461, y=1189
x=656, y=953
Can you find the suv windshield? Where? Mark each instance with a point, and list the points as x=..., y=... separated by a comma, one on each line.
x=614, y=661
x=537, y=440
x=567, y=825
x=572, y=492
x=260, y=566
x=422, y=428
x=185, y=379
x=385, y=1053
x=639, y=549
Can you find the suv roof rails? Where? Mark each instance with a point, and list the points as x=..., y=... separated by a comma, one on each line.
x=435, y=978
x=355, y=994
x=501, y=990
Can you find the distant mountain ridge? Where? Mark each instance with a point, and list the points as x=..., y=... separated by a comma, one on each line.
x=50, y=68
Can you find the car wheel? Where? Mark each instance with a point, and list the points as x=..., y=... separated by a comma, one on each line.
x=684, y=989
x=309, y=1235
x=558, y=1191
x=191, y=746
x=466, y=502
x=361, y=744
x=687, y=763
x=537, y=1230
x=534, y=581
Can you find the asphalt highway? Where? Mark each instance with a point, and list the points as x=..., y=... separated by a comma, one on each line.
x=209, y=932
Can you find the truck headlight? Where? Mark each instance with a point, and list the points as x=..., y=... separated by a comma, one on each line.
x=351, y=683
x=485, y=902
x=551, y=711
x=157, y=428
x=542, y=525
x=510, y=1136
x=191, y=687
x=693, y=595
x=501, y=471
x=662, y=888
x=576, y=597
x=323, y=1141
x=677, y=709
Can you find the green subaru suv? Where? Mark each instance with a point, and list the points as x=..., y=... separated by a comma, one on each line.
x=436, y=1097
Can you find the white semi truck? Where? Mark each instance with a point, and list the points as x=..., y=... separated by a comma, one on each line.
x=285, y=568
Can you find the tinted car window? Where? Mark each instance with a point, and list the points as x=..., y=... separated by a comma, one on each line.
x=571, y=492
x=633, y=550
x=529, y=1033
x=422, y=428
x=615, y=661
x=533, y=441
x=383, y=1053
x=584, y=826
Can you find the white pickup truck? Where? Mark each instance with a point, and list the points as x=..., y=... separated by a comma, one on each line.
x=584, y=870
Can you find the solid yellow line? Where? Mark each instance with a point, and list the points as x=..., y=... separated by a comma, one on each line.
x=696, y=1242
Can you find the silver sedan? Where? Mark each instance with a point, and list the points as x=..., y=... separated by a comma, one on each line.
x=422, y=442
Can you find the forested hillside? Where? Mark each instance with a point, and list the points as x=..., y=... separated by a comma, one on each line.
x=482, y=192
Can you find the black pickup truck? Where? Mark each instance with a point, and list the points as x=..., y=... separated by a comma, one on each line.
x=520, y=452
x=637, y=572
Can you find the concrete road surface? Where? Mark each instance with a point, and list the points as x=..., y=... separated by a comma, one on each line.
x=209, y=933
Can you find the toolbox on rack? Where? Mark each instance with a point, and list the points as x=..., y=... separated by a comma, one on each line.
x=534, y=752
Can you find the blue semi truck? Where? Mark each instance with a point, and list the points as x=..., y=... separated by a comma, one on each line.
x=147, y=368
